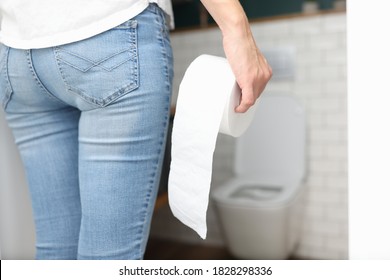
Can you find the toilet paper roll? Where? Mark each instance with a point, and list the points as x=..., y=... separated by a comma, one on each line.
x=205, y=106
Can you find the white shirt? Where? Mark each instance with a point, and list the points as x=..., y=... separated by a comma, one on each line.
x=28, y=24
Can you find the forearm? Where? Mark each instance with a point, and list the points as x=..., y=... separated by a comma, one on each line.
x=249, y=66
x=229, y=16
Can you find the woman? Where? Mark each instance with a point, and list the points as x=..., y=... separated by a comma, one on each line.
x=86, y=89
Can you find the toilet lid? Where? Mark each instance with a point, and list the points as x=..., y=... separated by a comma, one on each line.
x=274, y=144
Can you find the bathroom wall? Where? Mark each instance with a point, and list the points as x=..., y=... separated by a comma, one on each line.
x=320, y=83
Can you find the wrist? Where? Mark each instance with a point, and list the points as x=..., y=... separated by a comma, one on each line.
x=229, y=16
x=237, y=23
x=237, y=29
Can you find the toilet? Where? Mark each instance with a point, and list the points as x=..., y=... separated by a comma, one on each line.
x=259, y=209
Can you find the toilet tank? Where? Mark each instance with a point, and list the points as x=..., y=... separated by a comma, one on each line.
x=273, y=147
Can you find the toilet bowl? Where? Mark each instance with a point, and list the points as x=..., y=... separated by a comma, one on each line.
x=259, y=209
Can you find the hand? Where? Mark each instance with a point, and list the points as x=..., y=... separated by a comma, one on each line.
x=249, y=66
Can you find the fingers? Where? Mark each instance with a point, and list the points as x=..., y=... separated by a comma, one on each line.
x=267, y=70
x=268, y=73
x=247, y=100
x=264, y=63
x=254, y=85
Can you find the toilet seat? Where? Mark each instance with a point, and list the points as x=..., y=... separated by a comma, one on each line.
x=244, y=192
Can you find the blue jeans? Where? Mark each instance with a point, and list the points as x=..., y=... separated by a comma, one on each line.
x=90, y=121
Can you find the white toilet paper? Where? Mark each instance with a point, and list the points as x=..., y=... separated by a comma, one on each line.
x=205, y=106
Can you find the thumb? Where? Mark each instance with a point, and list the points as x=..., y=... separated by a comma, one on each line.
x=247, y=100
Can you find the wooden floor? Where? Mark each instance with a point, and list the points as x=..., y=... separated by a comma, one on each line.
x=159, y=249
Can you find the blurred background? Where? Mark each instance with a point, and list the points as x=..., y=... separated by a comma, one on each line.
x=305, y=43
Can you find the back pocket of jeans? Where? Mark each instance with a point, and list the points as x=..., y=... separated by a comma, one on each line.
x=5, y=86
x=102, y=68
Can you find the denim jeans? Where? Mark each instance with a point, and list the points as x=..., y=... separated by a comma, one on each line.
x=90, y=120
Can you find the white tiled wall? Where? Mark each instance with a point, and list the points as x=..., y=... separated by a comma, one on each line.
x=320, y=84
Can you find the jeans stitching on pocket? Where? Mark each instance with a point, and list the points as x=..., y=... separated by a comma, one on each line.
x=133, y=83
x=95, y=63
